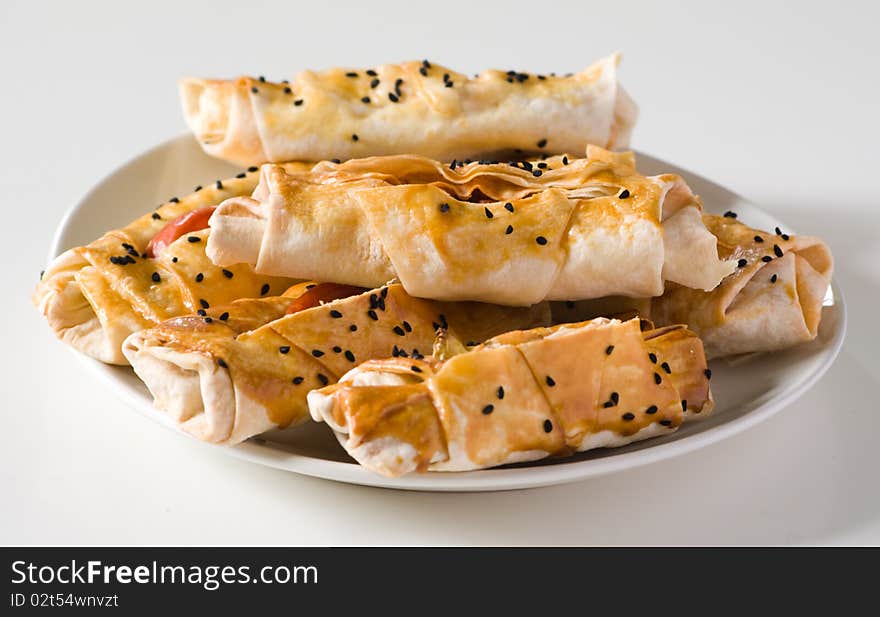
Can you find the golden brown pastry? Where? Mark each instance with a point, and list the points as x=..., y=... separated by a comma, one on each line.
x=409, y=108
x=521, y=396
x=507, y=233
x=95, y=295
x=772, y=301
x=242, y=369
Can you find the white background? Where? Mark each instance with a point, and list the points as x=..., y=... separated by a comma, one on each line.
x=777, y=101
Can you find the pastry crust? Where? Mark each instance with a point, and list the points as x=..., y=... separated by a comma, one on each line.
x=226, y=379
x=772, y=302
x=489, y=231
x=521, y=396
x=409, y=108
x=92, y=303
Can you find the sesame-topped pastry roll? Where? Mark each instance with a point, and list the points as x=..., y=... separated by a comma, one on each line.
x=235, y=371
x=153, y=269
x=511, y=233
x=409, y=108
x=521, y=396
x=772, y=301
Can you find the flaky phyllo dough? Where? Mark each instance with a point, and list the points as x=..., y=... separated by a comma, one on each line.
x=415, y=107
x=244, y=368
x=94, y=296
x=512, y=233
x=518, y=397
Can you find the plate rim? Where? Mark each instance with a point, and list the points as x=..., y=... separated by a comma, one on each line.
x=496, y=479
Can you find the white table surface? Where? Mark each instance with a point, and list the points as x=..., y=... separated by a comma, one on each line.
x=778, y=104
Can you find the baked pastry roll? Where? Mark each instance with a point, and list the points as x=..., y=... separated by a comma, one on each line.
x=772, y=301
x=242, y=369
x=519, y=397
x=409, y=108
x=94, y=296
x=507, y=233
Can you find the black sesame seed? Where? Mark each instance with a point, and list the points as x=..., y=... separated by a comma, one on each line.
x=337, y=161
x=624, y=194
x=193, y=239
x=200, y=277
x=397, y=86
x=399, y=331
x=665, y=367
x=224, y=316
x=666, y=422
x=227, y=273
x=542, y=143
x=372, y=314
x=337, y=349
x=322, y=378
x=766, y=259
x=548, y=426
x=351, y=74
x=784, y=236
x=651, y=410
x=777, y=251
x=349, y=355
x=241, y=175
x=254, y=90
x=374, y=83
x=201, y=312
x=488, y=409
x=708, y=373
x=156, y=216
x=628, y=416
x=365, y=99
x=221, y=362
x=287, y=90
x=298, y=102
x=354, y=137
x=444, y=207
x=449, y=84
x=542, y=165
x=284, y=349
x=488, y=212
x=384, y=292
x=208, y=320
x=564, y=158
x=352, y=328
x=609, y=349
x=297, y=380
x=537, y=173
x=423, y=71
x=550, y=381
x=174, y=200
x=264, y=289
x=729, y=214
x=219, y=184
x=684, y=405
x=652, y=357
x=371, y=72
x=453, y=164
x=406, y=326
x=657, y=378
x=393, y=97
x=773, y=278
x=415, y=369
x=381, y=304
x=742, y=263
x=197, y=189
x=508, y=206
x=262, y=79
x=541, y=240
x=317, y=353
x=615, y=397
x=174, y=260
x=759, y=239
x=500, y=393
x=204, y=303
x=509, y=230
x=335, y=314
x=608, y=404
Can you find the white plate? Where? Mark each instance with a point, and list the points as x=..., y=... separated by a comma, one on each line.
x=746, y=392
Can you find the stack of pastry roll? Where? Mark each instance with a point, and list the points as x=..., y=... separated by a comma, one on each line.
x=239, y=370
x=521, y=396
